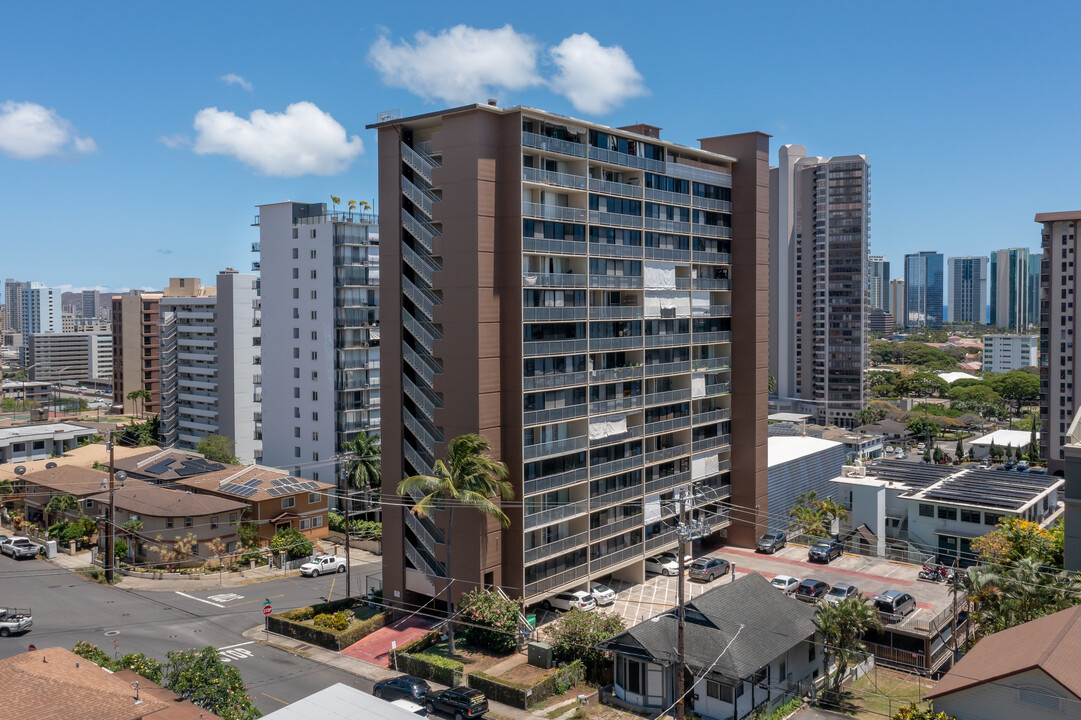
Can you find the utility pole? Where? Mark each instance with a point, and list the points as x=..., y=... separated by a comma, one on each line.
x=110, y=539
x=348, y=554
x=681, y=533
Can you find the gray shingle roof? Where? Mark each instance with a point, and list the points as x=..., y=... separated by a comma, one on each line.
x=773, y=622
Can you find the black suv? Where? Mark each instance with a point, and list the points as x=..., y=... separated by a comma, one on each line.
x=405, y=687
x=461, y=702
x=811, y=590
x=825, y=550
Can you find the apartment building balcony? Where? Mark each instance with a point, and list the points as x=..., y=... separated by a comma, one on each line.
x=616, y=497
x=539, y=587
x=554, y=415
x=420, y=365
x=635, y=431
x=669, y=226
x=615, y=312
x=712, y=416
x=601, y=407
x=659, y=542
x=554, y=145
x=557, y=179
x=422, y=163
x=615, y=157
x=424, y=233
x=197, y=412
x=190, y=424
x=555, y=447
x=712, y=230
x=614, y=467
x=554, y=482
x=616, y=219
x=630, y=342
x=715, y=336
x=421, y=264
x=551, y=382
x=615, y=528
x=191, y=397
x=715, y=258
x=558, y=547
x=620, y=373
x=615, y=251
x=673, y=340
x=667, y=196
x=553, y=212
x=255, y=247
x=556, y=280
x=615, y=281
x=667, y=426
x=615, y=188
x=256, y=265
x=671, y=453
x=554, y=347
x=714, y=443
x=620, y=556
x=661, y=484
x=661, y=253
x=421, y=198
x=671, y=368
x=714, y=389
x=667, y=397
x=705, y=203
x=556, y=314
x=556, y=514
x=552, y=246
x=712, y=283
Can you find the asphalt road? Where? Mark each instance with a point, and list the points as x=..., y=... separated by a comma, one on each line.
x=68, y=608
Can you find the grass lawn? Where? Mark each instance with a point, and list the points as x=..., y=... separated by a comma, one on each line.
x=880, y=694
x=473, y=659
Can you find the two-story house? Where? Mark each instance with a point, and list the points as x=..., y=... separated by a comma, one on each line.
x=38, y=488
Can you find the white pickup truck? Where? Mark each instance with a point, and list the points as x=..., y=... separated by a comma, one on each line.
x=323, y=565
x=18, y=548
x=13, y=620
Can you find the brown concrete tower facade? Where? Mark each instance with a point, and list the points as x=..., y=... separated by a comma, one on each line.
x=137, y=351
x=594, y=302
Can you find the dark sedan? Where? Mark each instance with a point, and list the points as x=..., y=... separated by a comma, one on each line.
x=405, y=687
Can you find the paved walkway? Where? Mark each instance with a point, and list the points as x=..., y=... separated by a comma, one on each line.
x=376, y=647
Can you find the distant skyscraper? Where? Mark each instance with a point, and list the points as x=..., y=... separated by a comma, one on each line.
x=880, y=283
x=820, y=281
x=968, y=289
x=1060, y=389
x=897, y=301
x=91, y=300
x=923, y=289
x=1010, y=289
x=40, y=313
x=13, y=304
x=1034, y=262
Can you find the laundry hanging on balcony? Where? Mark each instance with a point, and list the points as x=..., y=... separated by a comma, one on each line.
x=666, y=304
x=704, y=466
x=659, y=275
x=607, y=426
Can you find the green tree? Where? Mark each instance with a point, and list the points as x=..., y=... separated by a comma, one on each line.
x=138, y=663
x=806, y=515
x=771, y=385
x=922, y=428
x=6, y=488
x=1018, y=389
x=1015, y=539
x=60, y=504
x=914, y=712
x=140, y=434
x=1004, y=596
x=364, y=463
x=248, y=533
x=139, y=398
x=959, y=451
x=468, y=478
x=925, y=385
x=293, y=542
x=200, y=677
x=841, y=626
x=576, y=634
x=491, y=620
x=217, y=448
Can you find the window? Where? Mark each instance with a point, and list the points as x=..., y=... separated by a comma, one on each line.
x=296, y=273
x=296, y=451
x=313, y=274
x=187, y=522
x=305, y=524
x=719, y=691
x=317, y=521
x=296, y=431
x=314, y=295
x=296, y=251
x=811, y=652
x=313, y=498
x=296, y=333
x=296, y=412
x=315, y=334
x=296, y=313
x=315, y=417
x=315, y=436
x=315, y=315
x=927, y=510
x=213, y=522
x=288, y=502
x=195, y=549
x=232, y=517
x=947, y=513
x=296, y=353
x=971, y=516
x=313, y=255
x=315, y=355
x=315, y=396
x=296, y=293
x=168, y=522
x=634, y=677
x=296, y=372
x=315, y=457
x=313, y=233
x=296, y=392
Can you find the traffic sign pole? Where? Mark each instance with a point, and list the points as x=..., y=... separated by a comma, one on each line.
x=267, y=610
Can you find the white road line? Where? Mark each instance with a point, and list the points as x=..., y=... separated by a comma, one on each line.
x=229, y=647
x=192, y=597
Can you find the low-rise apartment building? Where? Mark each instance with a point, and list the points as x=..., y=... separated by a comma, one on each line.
x=38, y=488
x=38, y=442
x=1002, y=353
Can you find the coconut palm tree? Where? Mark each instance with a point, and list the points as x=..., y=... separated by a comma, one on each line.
x=842, y=625
x=139, y=397
x=831, y=509
x=468, y=479
x=363, y=463
x=58, y=505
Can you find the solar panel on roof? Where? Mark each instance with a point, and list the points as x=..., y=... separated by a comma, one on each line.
x=159, y=467
x=253, y=482
x=309, y=485
x=197, y=466
x=276, y=492
x=249, y=491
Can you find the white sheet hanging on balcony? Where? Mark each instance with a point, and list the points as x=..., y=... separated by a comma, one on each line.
x=529, y=280
x=660, y=275
x=607, y=426
x=700, y=303
x=666, y=304
x=653, y=509
x=374, y=333
x=698, y=385
x=704, y=466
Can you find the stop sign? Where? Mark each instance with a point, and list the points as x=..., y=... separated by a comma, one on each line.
x=267, y=610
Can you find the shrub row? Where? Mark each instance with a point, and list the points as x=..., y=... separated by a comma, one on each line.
x=290, y=624
x=431, y=667
x=526, y=696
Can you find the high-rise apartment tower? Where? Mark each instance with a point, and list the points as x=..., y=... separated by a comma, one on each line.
x=137, y=351
x=968, y=289
x=880, y=283
x=1010, y=295
x=924, y=290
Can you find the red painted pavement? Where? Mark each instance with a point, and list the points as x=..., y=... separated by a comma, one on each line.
x=375, y=648
x=805, y=564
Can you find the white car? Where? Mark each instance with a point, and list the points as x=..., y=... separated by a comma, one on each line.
x=603, y=594
x=565, y=601
x=786, y=583
x=662, y=565
x=921, y=447
x=687, y=559
x=323, y=565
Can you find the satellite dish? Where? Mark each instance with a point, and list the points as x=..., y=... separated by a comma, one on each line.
x=20, y=469
x=50, y=465
x=121, y=476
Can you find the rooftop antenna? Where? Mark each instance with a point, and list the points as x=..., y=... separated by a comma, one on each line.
x=135, y=686
x=385, y=115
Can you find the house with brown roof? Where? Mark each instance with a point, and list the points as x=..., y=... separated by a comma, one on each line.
x=38, y=488
x=169, y=517
x=56, y=684
x=1031, y=671
x=164, y=467
x=277, y=499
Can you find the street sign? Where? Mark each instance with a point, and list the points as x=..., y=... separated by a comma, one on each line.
x=267, y=610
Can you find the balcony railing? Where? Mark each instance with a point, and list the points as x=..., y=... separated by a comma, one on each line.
x=617, y=219
x=661, y=484
x=710, y=416
x=615, y=528
x=543, y=142
x=657, y=456
x=419, y=196
x=671, y=368
x=672, y=226
x=557, y=547
x=675, y=340
x=423, y=333
x=713, y=443
x=550, y=382
x=553, y=347
x=615, y=188
x=716, y=258
x=713, y=363
x=556, y=514
x=615, y=281
x=699, y=174
x=663, y=253
x=614, y=467
x=615, y=312
x=554, y=581
x=714, y=336
x=560, y=280
x=603, y=249
x=421, y=264
x=711, y=204
x=423, y=232
x=556, y=447
x=553, y=212
x=421, y=562
x=666, y=426
x=712, y=230
x=599, y=502
x=618, y=158
x=422, y=164
x=554, y=246
x=554, y=415
x=635, y=431
x=553, y=314
x=713, y=389
x=669, y=396
x=547, y=177
x=607, y=561
x=666, y=196
x=659, y=541
x=629, y=342
x=621, y=373
x=554, y=482
x=712, y=284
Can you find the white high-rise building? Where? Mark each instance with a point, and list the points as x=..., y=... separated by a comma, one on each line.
x=210, y=363
x=968, y=289
x=41, y=312
x=320, y=309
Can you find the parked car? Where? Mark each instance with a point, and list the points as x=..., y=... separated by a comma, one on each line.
x=1009, y=464
x=900, y=455
x=787, y=583
x=18, y=548
x=408, y=687
x=921, y=447
x=13, y=620
x=812, y=590
x=411, y=707
x=771, y=542
x=602, y=594
x=841, y=591
x=566, y=600
x=323, y=565
x=460, y=702
x=1022, y=465
x=709, y=568
x=894, y=603
x=825, y=549
x=687, y=559
x=983, y=466
x=662, y=565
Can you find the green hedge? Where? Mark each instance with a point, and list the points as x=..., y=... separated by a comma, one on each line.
x=431, y=667
x=526, y=696
x=289, y=623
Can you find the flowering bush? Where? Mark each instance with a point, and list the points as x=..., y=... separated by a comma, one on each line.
x=490, y=620
x=337, y=621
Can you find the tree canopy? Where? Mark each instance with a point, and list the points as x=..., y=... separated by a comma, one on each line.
x=218, y=448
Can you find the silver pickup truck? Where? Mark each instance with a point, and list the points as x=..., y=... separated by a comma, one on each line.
x=13, y=620
x=18, y=548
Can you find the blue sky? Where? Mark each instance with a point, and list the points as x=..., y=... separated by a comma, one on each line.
x=967, y=111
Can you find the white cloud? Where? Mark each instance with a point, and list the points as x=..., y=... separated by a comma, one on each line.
x=594, y=78
x=303, y=140
x=178, y=140
x=234, y=79
x=29, y=131
x=459, y=65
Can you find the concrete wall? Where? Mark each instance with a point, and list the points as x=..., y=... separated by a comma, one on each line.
x=810, y=472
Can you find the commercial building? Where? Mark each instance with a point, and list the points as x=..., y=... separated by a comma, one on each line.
x=1002, y=353
x=968, y=289
x=210, y=363
x=611, y=346
x=897, y=301
x=923, y=290
x=1010, y=293
x=320, y=310
x=38, y=442
x=1035, y=268
x=58, y=357
x=136, y=351
x=880, y=321
x=1071, y=517
x=798, y=465
x=90, y=304
x=36, y=393
x=40, y=314
x=1060, y=396
x=13, y=304
x=880, y=283
x=820, y=281
x=74, y=323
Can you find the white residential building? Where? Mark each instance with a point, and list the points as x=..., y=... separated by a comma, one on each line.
x=40, y=313
x=320, y=308
x=210, y=363
x=1002, y=353
x=76, y=356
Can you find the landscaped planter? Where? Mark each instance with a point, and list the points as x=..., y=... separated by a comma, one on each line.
x=290, y=623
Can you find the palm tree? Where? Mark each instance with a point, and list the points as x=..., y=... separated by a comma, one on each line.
x=468, y=478
x=807, y=516
x=842, y=625
x=139, y=397
x=59, y=504
x=364, y=465
x=831, y=509
x=6, y=488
